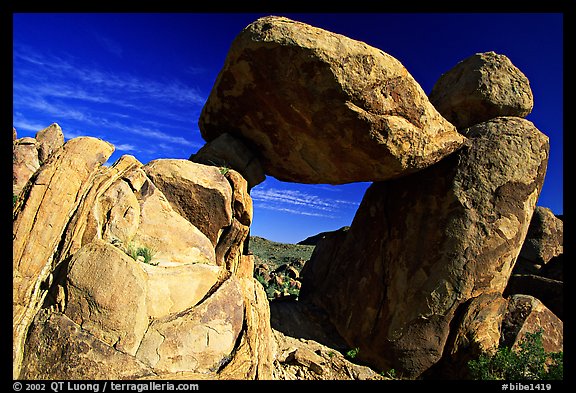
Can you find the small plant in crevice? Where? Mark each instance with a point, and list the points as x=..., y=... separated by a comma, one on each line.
x=224, y=170
x=141, y=253
x=389, y=374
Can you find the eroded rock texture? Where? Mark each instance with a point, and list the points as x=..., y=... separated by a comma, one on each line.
x=482, y=87
x=319, y=107
x=421, y=246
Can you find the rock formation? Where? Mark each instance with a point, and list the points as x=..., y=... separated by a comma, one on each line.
x=29, y=153
x=318, y=107
x=480, y=88
x=229, y=152
x=544, y=239
x=135, y=271
x=411, y=292
x=79, y=279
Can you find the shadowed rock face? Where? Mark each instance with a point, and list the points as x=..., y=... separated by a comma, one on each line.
x=421, y=246
x=318, y=107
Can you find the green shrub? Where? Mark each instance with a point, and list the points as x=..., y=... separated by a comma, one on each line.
x=141, y=251
x=14, y=199
x=271, y=287
x=352, y=353
x=529, y=362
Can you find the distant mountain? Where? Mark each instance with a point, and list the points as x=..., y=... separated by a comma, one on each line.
x=276, y=254
x=313, y=240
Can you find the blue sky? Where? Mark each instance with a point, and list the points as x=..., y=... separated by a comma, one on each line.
x=139, y=81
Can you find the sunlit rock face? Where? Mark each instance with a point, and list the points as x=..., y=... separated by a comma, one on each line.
x=319, y=107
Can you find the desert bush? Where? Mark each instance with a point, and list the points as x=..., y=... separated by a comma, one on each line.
x=529, y=362
x=146, y=253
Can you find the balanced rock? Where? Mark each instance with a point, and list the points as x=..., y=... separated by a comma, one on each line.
x=482, y=87
x=319, y=107
x=436, y=239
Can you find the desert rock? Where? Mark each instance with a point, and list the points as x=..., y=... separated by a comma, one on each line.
x=319, y=107
x=544, y=239
x=527, y=314
x=48, y=141
x=229, y=152
x=24, y=162
x=482, y=87
x=437, y=239
x=197, y=192
x=39, y=224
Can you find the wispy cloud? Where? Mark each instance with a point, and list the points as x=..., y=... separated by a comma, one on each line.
x=126, y=147
x=298, y=202
x=139, y=113
x=57, y=76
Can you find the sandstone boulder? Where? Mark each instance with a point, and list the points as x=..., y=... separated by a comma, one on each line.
x=48, y=141
x=437, y=238
x=106, y=295
x=199, y=193
x=544, y=239
x=200, y=339
x=227, y=151
x=319, y=107
x=482, y=87
x=40, y=222
x=24, y=162
x=527, y=314
x=172, y=237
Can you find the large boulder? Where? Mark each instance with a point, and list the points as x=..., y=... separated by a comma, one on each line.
x=58, y=348
x=48, y=141
x=319, y=107
x=482, y=87
x=200, y=339
x=197, y=192
x=436, y=239
x=172, y=237
x=105, y=292
x=24, y=162
x=526, y=314
x=545, y=237
x=29, y=153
